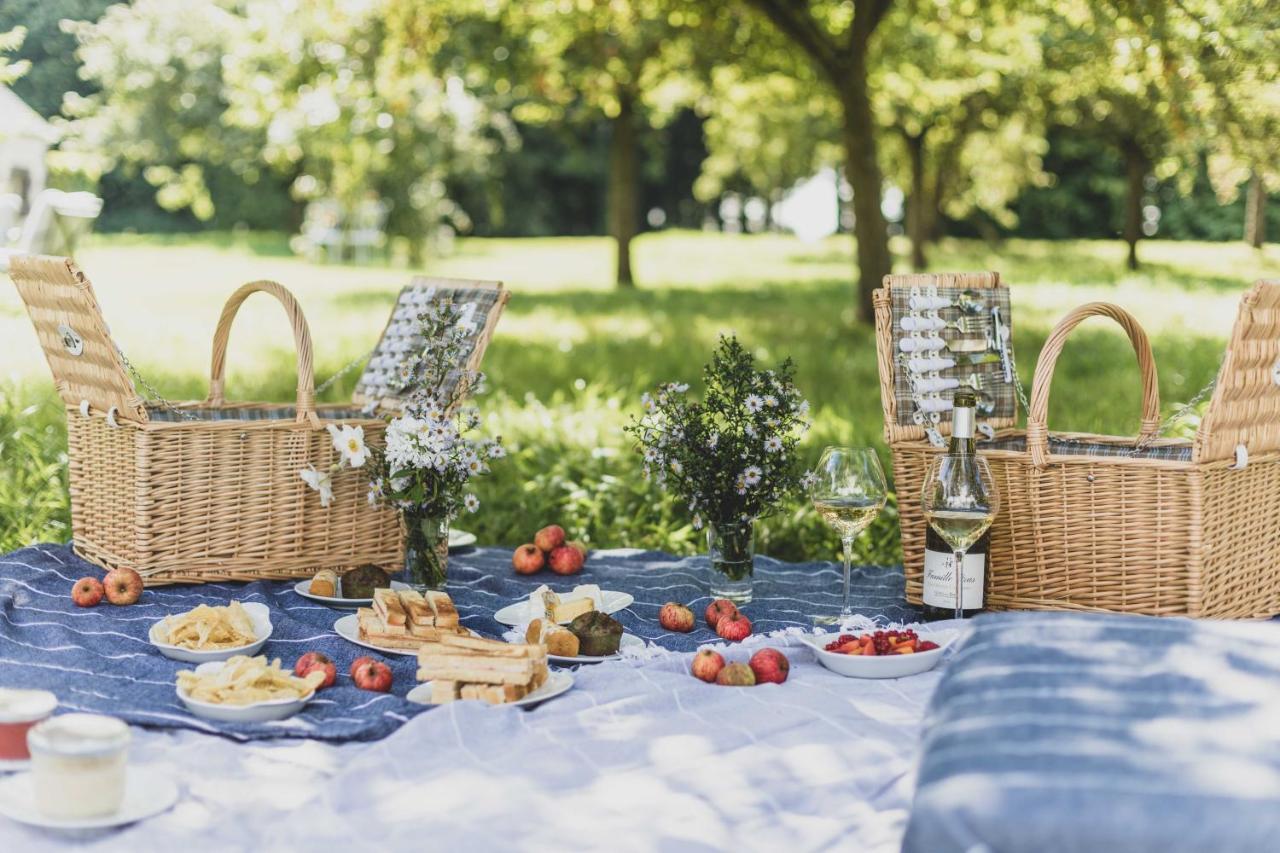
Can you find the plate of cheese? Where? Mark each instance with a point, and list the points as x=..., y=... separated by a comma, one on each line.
x=580, y=642
x=401, y=621
x=563, y=607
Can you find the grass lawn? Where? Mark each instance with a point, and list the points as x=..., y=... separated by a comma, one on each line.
x=572, y=355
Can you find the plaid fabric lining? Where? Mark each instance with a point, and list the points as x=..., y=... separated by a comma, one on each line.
x=380, y=379
x=1062, y=447
x=231, y=413
x=991, y=376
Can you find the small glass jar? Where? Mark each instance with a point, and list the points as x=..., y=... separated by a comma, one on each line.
x=78, y=765
x=19, y=711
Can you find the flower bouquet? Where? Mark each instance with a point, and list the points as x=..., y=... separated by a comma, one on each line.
x=431, y=455
x=731, y=457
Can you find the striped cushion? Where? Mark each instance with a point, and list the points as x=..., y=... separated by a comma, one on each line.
x=232, y=413
x=1067, y=732
x=1062, y=447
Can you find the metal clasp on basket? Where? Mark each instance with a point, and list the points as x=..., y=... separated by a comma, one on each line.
x=71, y=340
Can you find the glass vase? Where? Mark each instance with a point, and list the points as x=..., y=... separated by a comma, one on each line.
x=426, y=550
x=732, y=550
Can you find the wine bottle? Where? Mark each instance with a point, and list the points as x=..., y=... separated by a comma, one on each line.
x=939, y=561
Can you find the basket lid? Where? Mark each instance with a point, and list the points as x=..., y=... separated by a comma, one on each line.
x=84, y=359
x=480, y=304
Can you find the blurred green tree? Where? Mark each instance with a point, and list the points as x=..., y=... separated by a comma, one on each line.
x=54, y=68
x=957, y=87
x=10, y=41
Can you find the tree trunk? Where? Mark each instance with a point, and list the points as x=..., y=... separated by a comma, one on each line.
x=1135, y=168
x=1255, y=212
x=863, y=172
x=918, y=224
x=623, y=186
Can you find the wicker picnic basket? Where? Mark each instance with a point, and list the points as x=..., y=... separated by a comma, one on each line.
x=1094, y=522
x=198, y=491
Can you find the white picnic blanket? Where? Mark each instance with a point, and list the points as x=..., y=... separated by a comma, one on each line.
x=638, y=756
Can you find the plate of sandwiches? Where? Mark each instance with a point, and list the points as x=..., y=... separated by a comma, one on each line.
x=593, y=637
x=460, y=539
x=458, y=668
x=563, y=607
x=401, y=621
x=353, y=588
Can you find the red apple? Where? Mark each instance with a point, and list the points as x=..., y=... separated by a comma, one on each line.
x=579, y=547
x=734, y=627
x=87, y=592
x=707, y=664
x=313, y=661
x=736, y=675
x=565, y=560
x=122, y=586
x=770, y=666
x=369, y=674
x=527, y=560
x=549, y=538
x=716, y=609
x=676, y=617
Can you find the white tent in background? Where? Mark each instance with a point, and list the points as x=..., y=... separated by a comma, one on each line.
x=25, y=138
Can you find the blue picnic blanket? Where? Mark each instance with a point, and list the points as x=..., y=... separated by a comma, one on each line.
x=1073, y=733
x=99, y=659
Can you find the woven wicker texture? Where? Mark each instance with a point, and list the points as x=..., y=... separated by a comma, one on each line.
x=1084, y=527
x=65, y=312
x=220, y=499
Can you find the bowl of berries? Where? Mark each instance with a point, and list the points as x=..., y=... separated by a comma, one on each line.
x=893, y=653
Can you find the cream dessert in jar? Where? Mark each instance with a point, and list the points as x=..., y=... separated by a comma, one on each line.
x=19, y=711
x=78, y=765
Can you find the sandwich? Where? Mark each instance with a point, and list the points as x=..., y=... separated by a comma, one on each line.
x=386, y=603
x=376, y=632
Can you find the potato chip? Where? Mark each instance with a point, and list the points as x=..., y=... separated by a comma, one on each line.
x=208, y=627
x=244, y=680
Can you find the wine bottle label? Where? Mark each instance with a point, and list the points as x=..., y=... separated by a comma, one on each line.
x=940, y=579
x=962, y=422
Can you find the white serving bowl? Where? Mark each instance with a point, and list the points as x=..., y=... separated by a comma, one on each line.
x=259, y=615
x=257, y=712
x=880, y=666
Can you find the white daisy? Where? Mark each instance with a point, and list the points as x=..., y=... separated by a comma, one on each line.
x=773, y=444
x=349, y=442
x=770, y=401
x=471, y=502
x=754, y=403
x=321, y=481
x=751, y=475
x=497, y=451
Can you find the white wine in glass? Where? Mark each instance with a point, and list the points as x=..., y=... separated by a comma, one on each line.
x=848, y=494
x=960, y=501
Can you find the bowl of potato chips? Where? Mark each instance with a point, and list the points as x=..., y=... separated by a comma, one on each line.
x=245, y=689
x=213, y=633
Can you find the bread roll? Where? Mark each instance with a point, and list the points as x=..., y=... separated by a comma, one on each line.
x=325, y=583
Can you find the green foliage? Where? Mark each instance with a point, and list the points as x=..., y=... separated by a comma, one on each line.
x=49, y=50
x=9, y=42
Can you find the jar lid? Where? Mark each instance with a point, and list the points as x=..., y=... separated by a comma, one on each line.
x=79, y=734
x=25, y=706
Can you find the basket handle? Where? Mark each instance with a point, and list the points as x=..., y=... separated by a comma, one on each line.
x=301, y=339
x=1037, y=417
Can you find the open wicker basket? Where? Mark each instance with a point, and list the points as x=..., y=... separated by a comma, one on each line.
x=203, y=491
x=1094, y=522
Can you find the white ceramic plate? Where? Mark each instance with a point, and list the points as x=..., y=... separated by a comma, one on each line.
x=302, y=589
x=147, y=793
x=348, y=628
x=258, y=712
x=460, y=539
x=629, y=641
x=518, y=613
x=880, y=666
x=13, y=765
x=259, y=614
x=557, y=682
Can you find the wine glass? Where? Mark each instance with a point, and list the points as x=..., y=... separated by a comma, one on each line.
x=960, y=501
x=848, y=493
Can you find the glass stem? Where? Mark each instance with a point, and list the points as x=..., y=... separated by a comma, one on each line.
x=845, y=610
x=959, y=558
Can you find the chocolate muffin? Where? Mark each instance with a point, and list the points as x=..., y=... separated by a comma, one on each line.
x=361, y=581
x=599, y=634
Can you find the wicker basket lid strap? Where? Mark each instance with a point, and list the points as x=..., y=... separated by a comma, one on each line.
x=301, y=338
x=1245, y=407
x=1037, y=429
x=74, y=336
